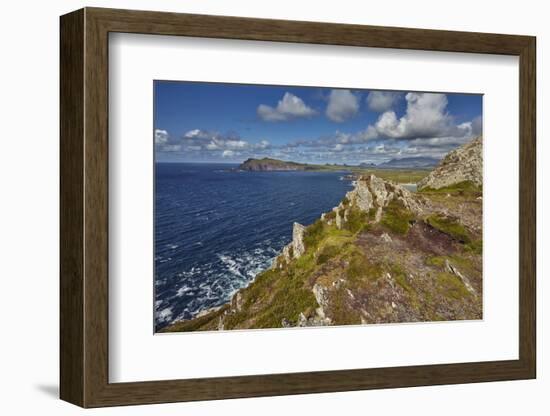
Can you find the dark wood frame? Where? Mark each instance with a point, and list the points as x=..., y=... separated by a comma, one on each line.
x=84, y=207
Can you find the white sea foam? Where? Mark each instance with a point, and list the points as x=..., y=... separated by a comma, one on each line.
x=164, y=315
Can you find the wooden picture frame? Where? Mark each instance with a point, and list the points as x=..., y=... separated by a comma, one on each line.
x=84, y=207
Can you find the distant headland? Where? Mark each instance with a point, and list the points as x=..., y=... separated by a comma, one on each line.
x=270, y=164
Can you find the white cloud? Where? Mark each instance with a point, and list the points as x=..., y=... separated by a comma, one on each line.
x=381, y=101
x=161, y=136
x=289, y=107
x=205, y=144
x=342, y=105
x=235, y=144
x=196, y=134
x=171, y=148
x=426, y=116
x=264, y=144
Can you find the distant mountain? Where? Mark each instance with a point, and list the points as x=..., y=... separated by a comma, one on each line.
x=417, y=162
x=365, y=165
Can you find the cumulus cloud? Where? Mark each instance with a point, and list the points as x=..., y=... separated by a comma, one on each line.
x=207, y=144
x=425, y=129
x=161, y=136
x=342, y=105
x=381, y=101
x=196, y=133
x=426, y=116
x=288, y=108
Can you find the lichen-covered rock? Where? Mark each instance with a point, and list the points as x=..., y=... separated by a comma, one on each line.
x=237, y=301
x=321, y=295
x=298, y=246
x=338, y=220
x=460, y=165
x=374, y=193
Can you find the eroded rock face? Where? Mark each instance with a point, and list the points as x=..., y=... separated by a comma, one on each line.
x=460, y=165
x=298, y=247
x=372, y=192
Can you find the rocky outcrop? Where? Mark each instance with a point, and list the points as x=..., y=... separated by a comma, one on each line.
x=461, y=165
x=298, y=247
x=292, y=250
x=371, y=195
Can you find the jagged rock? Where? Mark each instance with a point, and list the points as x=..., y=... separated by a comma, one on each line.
x=302, y=320
x=237, y=302
x=321, y=295
x=319, y=321
x=287, y=252
x=338, y=219
x=372, y=192
x=298, y=247
x=361, y=195
x=462, y=164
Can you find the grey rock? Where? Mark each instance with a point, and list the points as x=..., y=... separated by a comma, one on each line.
x=298, y=246
x=321, y=295
x=372, y=192
x=462, y=164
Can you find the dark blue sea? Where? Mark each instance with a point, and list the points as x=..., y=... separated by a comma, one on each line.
x=216, y=228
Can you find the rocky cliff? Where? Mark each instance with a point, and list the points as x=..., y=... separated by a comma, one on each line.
x=462, y=165
x=382, y=255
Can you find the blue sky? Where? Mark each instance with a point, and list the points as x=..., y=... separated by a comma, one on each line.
x=218, y=122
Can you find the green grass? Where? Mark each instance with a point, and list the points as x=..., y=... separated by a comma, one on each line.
x=437, y=261
x=449, y=226
x=341, y=311
x=328, y=252
x=314, y=234
x=451, y=286
x=462, y=188
x=286, y=304
x=396, y=218
x=360, y=270
x=210, y=319
x=330, y=215
x=357, y=221
x=399, y=175
x=475, y=247
x=401, y=279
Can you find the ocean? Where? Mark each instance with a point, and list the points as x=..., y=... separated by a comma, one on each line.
x=216, y=228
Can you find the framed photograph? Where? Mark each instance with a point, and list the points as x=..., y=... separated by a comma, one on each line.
x=255, y=207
